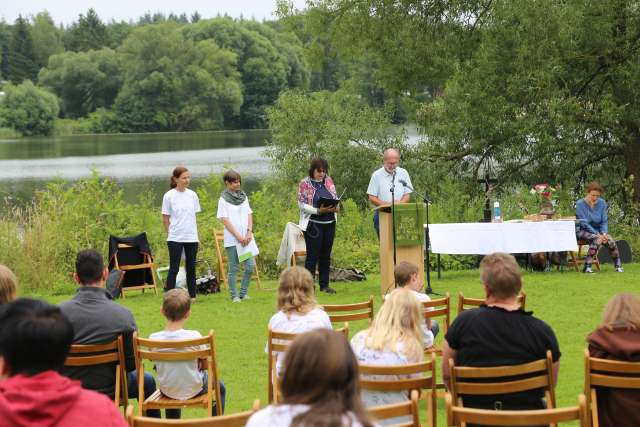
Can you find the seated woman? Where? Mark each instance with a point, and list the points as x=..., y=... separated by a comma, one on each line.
x=298, y=310
x=618, y=338
x=319, y=385
x=394, y=338
x=592, y=225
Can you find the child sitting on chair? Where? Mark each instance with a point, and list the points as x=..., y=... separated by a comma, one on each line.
x=181, y=380
x=407, y=275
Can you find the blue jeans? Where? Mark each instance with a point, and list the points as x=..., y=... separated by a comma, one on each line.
x=376, y=223
x=149, y=389
x=234, y=264
x=176, y=413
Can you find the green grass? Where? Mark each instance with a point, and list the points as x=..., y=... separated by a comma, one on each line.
x=569, y=302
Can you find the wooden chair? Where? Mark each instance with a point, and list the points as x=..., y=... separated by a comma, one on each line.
x=438, y=308
x=218, y=237
x=408, y=408
x=278, y=343
x=296, y=255
x=356, y=311
x=499, y=380
x=144, y=269
x=605, y=373
x=182, y=350
x=415, y=376
x=468, y=303
x=233, y=420
x=577, y=258
x=101, y=354
x=460, y=416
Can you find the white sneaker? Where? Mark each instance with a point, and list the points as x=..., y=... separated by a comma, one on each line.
x=236, y=299
x=245, y=297
x=619, y=269
x=588, y=270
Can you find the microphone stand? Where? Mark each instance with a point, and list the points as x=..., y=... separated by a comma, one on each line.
x=393, y=215
x=427, y=202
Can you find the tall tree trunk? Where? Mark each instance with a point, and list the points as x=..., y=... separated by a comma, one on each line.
x=632, y=160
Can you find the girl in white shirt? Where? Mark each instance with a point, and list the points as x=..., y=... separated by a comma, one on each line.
x=298, y=310
x=394, y=338
x=236, y=215
x=179, y=208
x=319, y=385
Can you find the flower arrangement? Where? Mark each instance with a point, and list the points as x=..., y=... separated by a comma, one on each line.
x=544, y=192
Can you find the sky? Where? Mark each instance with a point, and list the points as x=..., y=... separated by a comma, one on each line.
x=67, y=11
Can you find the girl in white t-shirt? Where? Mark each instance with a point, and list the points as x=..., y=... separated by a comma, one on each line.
x=236, y=215
x=319, y=385
x=179, y=208
x=394, y=338
x=298, y=310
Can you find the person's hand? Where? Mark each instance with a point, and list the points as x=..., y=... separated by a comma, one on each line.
x=248, y=237
x=326, y=209
x=602, y=238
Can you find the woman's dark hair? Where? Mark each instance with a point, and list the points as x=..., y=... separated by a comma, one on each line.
x=179, y=170
x=231, y=176
x=318, y=163
x=89, y=266
x=594, y=186
x=34, y=336
x=320, y=370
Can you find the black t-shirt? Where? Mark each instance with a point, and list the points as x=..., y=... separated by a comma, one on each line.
x=493, y=336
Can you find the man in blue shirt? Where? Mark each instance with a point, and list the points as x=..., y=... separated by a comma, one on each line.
x=593, y=226
x=389, y=176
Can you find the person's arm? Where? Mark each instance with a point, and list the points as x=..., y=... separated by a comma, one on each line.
x=231, y=229
x=249, y=234
x=447, y=353
x=405, y=198
x=376, y=201
x=556, y=370
x=165, y=222
x=604, y=226
x=582, y=213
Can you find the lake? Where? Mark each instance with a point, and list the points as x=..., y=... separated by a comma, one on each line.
x=140, y=162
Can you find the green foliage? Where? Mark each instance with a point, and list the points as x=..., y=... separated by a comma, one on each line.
x=5, y=42
x=47, y=38
x=21, y=59
x=337, y=126
x=84, y=81
x=268, y=63
x=175, y=84
x=28, y=109
x=87, y=34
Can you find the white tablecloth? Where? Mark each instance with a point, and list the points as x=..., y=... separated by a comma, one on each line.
x=486, y=238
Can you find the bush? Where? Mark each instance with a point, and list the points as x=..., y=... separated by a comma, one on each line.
x=28, y=109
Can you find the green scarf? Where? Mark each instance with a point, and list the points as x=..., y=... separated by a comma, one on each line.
x=234, y=197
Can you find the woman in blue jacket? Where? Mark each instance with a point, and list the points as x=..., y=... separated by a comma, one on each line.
x=593, y=226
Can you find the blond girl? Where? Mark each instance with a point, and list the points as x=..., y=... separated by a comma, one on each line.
x=8, y=285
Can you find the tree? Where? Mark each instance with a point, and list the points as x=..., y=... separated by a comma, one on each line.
x=337, y=126
x=173, y=83
x=22, y=61
x=28, y=109
x=5, y=42
x=84, y=81
x=118, y=31
x=47, y=38
x=265, y=69
x=88, y=33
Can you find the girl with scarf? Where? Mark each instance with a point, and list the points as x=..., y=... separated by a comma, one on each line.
x=318, y=223
x=235, y=214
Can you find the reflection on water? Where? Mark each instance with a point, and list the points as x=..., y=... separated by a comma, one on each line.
x=139, y=162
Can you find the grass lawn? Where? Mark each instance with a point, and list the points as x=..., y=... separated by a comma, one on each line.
x=570, y=302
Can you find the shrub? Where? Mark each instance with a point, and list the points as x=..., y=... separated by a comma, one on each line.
x=28, y=109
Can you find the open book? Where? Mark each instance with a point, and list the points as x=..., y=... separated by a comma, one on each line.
x=246, y=252
x=330, y=203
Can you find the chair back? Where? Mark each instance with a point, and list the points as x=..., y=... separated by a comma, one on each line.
x=103, y=354
x=218, y=238
x=407, y=408
x=496, y=380
x=180, y=350
x=468, y=303
x=419, y=376
x=339, y=313
x=458, y=415
x=604, y=373
x=233, y=420
x=132, y=255
x=438, y=308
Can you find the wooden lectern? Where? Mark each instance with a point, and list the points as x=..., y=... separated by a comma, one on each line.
x=411, y=252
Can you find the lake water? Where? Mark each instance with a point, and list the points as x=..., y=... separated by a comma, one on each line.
x=140, y=162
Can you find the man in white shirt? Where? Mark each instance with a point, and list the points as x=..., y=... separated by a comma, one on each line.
x=389, y=176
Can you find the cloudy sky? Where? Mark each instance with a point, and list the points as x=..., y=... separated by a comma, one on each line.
x=67, y=11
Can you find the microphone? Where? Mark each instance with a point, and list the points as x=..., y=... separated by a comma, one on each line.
x=393, y=182
x=404, y=183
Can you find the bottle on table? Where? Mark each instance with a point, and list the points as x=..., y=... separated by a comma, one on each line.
x=497, y=214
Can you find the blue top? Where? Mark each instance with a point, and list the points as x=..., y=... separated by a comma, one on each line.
x=321, y=191
x=380, y=184
x=593, y=219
